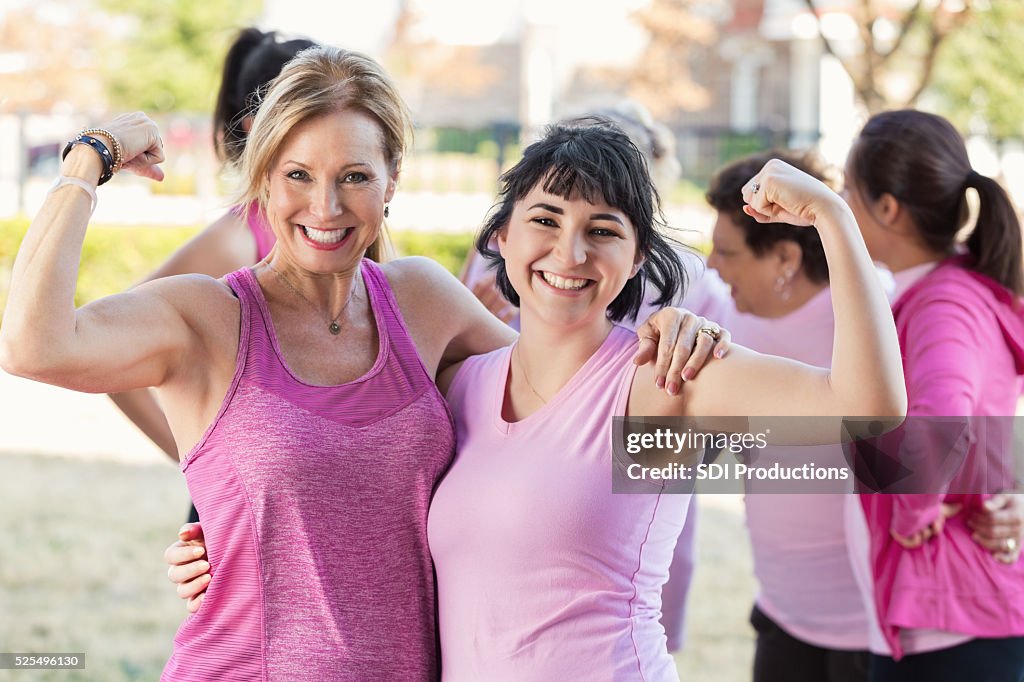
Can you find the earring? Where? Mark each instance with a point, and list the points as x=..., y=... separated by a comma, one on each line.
x=386, y=210
x=782, y=285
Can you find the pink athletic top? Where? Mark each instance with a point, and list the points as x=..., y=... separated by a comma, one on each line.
x=314, y=505
x=542, y=572
x=261, y=232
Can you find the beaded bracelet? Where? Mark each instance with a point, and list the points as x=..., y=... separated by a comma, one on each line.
x=117, y=151
x=99, y=148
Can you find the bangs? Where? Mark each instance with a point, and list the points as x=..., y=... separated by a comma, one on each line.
x=585, y=168
x=566, y=181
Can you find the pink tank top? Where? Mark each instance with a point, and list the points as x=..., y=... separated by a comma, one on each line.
x=542, y=572
x=314, y=505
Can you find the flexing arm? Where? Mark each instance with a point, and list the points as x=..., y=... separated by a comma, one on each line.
x=116, y=343
x=866, y=378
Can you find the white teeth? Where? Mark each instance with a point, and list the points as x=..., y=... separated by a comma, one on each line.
x=325, y=236
x=568, y=283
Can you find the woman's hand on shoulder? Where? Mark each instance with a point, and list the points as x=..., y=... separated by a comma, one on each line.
x=679, y=343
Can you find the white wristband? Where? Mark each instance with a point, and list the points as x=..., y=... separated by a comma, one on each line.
x=77, y=182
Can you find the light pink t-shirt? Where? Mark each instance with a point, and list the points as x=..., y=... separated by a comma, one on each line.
x=542, y=572
x=806, y=584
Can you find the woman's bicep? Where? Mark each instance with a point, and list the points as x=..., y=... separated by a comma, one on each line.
x=751, y=383
x=126, y=341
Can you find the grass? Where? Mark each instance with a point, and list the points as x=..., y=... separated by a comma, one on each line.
x=83, y=571
x=83, y=564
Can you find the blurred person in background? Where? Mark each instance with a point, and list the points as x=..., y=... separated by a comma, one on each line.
x=241, y=236
x=946, y=584
x=810, y=621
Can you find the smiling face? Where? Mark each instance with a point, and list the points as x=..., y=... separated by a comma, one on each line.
x=327, y=190
x=751, y=278
x=568, y=259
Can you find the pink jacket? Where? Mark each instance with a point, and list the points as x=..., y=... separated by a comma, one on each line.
x=963, y=354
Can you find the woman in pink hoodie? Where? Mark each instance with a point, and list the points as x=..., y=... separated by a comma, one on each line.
x=947, y=609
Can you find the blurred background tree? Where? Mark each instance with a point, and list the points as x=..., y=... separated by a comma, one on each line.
x=979, y=73
x=896, y=50
x=166, y=56
x=64, y=73
x=661, y=78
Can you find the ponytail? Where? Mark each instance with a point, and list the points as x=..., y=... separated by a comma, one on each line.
x=254, y=59
x=228, y=135
x=995, y=242
x=921, y=160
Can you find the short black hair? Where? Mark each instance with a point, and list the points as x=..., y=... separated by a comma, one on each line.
x=594, y=158
x=725, y=195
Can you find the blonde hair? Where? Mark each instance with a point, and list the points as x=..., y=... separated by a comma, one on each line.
x=318, y=81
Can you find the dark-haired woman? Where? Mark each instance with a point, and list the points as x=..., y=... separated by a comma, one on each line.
x=810, y=621
x=542, y=572
x=241, y=236
x=947, y=609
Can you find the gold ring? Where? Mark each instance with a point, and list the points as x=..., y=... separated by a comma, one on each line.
x=714, y=332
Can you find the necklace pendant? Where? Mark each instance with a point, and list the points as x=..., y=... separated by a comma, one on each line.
x=334, y=328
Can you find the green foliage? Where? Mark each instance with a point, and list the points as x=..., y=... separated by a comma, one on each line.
x=449, y=250
x=684, y=192
x=980, y=69
x=172, y=56
x=116, y=257
x=113, y=258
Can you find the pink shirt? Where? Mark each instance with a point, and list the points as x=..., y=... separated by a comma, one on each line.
x=542, y=572
x=963, y=354
x=314, y=505
x=798, y=540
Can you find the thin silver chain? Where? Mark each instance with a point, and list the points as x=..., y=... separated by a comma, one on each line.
x=332, y=325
